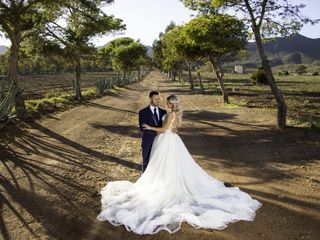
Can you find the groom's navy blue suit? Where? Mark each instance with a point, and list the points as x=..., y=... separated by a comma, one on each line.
x=146, y=116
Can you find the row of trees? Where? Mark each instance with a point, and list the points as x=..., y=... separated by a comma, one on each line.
x=37, y=63
x=125, y=55
x=217, y=37
x=62, y=27
x=107, y=58
x=55, y=30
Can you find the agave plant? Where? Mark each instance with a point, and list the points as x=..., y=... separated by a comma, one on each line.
x=103, y=85
x=7, y=103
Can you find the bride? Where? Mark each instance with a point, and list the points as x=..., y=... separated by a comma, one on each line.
x=173, y=189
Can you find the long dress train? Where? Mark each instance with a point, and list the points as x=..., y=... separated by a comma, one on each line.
x=173, y=189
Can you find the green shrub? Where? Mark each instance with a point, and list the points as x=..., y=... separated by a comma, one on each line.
x=259, y=77
x=284, y=73
x=301, y=69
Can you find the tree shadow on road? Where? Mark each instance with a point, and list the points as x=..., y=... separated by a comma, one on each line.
x=129, y=131
x=52, y=197
x=250, y=147
x=92, y=104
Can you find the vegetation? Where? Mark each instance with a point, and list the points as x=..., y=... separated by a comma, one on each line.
x=214, y=38
x=301, y=69
x=217, y=38
x=266, y=18
x=62, y=99
x=49, y=37
x=36, y=25
x=291, y=68
x=125, y=55
x=300, y=91
x=259, y=77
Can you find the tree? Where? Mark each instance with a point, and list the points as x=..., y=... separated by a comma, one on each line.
x=164, y=55
x=217, y=37
x=157, y=57
x=190, y=52
x=267, y=18
x=173, y=61
x=20, y=19
x=83, y=23
x=105, y=53
x=17, y=20
x=126, y=58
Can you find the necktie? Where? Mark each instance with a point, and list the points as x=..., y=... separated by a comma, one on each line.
x=156, y=115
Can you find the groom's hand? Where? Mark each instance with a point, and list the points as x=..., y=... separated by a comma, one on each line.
x=174, y=130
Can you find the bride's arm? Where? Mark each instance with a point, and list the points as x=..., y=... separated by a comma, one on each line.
x=160, y=129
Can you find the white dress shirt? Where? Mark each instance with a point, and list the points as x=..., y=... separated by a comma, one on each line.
x=157, y=110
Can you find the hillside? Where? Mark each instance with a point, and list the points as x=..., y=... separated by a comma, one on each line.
x=296, y=50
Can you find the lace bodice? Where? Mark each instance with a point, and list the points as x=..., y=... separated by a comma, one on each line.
x=172, y=123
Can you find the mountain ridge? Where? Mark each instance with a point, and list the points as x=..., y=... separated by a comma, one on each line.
x=295, y=50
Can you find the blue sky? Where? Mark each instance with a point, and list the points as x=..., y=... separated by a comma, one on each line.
x=145, y=19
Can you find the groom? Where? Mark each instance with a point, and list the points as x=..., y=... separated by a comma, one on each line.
x=151, y=115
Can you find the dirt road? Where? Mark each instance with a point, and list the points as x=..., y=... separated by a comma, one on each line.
x=52, y=170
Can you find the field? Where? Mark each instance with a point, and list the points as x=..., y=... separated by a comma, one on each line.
x=52, y=169
x=302, y=95
x=40, y=86
x=301, y=92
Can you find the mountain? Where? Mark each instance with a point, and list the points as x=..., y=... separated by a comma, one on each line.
x=296, y=50
x=3, y=50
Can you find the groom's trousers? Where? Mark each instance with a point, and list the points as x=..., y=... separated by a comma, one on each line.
x=146, y=145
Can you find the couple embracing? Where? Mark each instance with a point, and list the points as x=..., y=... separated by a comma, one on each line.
x=173, y=188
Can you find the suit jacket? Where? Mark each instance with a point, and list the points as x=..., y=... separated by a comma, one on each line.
x=146, y=116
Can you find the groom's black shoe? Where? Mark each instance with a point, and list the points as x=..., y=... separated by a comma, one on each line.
x=143, y=167
x=226, y=184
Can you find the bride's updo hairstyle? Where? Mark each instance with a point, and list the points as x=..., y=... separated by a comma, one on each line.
x=173, y=99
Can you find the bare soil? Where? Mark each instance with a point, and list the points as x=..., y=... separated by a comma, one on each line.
x=52, y=169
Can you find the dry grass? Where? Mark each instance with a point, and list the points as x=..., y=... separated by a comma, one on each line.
x=301, y=92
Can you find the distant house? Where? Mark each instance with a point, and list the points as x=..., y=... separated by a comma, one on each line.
x=239, y=69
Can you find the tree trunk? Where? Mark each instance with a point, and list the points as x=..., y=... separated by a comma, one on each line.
x=281, y=104
x=190, y=77
x=129, y=77
x=174, y=76
x=200, y=81
x=13, y=74
x=139, y=74
x=77, y=88
x=179, y=76
x=219, y=73
x=2, y=88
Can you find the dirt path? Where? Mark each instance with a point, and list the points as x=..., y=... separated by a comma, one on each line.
x=51, y=171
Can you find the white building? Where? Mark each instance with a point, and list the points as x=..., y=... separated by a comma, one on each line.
x=239, y=69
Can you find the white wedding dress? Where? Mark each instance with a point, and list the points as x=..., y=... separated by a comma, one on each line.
x=173, y=189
